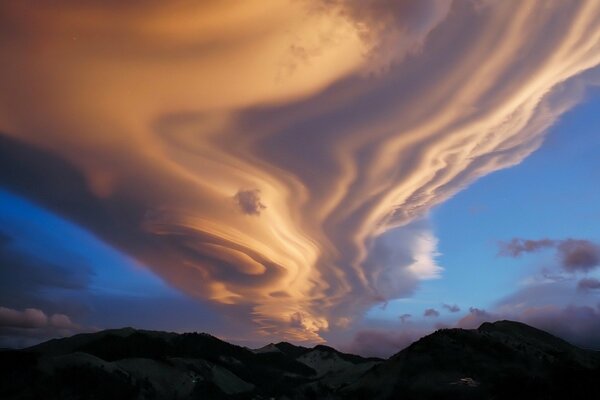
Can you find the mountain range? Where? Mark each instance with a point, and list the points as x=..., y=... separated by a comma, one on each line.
x=501, y=360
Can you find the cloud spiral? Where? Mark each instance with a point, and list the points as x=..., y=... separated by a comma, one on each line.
x=349, y=121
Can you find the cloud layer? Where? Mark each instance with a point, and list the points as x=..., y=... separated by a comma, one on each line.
x=263, y=156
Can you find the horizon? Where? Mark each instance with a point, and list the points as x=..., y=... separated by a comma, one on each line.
x=356, y=174
x=260, y=347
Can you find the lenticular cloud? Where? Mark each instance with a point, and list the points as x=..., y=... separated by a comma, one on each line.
x=277, y=160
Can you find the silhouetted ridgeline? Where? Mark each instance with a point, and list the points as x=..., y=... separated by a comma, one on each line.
x=499, y=360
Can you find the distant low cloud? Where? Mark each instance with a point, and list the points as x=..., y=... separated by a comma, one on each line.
x=19, y=328
x=588, y=284
x=574, y=254
x=453, y=308
x=249, y=201
x=33, y=318
x=476, y=317
x=29, y=318
x=431, y=312
x=579, y=325
x=382, y=343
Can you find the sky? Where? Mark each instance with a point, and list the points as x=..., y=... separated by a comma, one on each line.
x=359, y=173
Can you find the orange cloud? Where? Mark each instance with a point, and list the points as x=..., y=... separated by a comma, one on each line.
x=348, y=119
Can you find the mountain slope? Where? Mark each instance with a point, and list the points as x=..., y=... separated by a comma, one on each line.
x=137, y=364
x=502, y=360
x=498, y=360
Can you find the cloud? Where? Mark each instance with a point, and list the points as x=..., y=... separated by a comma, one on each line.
x=404, y=317
x=33, y=318
x=27, y=279
x=516, y=247
x=579, y=325
x=588, y=284
x=574, y=254
x=249, y=201
x=453, y=308
x=579, y=255
x=31, y=325
x=353, y=122
x=30, y=318
x=430, y=312
x=476, y=317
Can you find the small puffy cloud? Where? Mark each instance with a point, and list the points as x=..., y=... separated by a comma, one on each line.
x=453, y=308
x=29, y=318
x=33, y=318
x=574, y=254
x=62, y=321
x=579, y=255
x=249, y=201
x=31, y=325
x=517, y=246
x=431, y=312
x=476, y=317
x=404, y=317
x=588, y=284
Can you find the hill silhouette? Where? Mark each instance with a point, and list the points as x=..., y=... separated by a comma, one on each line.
x=498, y=360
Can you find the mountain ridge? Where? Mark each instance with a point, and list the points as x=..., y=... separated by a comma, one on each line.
x=127, y=363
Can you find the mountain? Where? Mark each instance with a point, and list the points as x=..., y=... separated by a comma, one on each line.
x=138, y=364
x=501, y=360
x=496, y=361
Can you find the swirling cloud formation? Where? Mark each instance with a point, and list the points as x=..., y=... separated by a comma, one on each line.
x=274, y=157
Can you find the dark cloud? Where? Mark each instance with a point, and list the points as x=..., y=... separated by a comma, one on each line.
x=517, y=246
x=249, y=201
x=26, y=280
x=453, y=308
x=404, y=317
x=579, y=255
x=588, y=284
x=431, y=312
x=51, y=181
x=574, y=254
x=4, y=239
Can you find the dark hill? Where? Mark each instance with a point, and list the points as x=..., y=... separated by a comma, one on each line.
x=502, y=360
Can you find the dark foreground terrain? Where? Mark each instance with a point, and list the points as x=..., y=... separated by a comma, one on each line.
x=502, y=360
